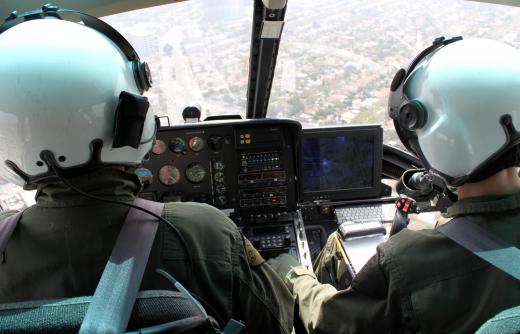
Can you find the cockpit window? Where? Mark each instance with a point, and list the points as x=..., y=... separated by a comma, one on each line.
x=337, y=58
x=198, y=52
x=335, y=64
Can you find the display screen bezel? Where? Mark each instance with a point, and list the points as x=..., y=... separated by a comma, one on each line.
x=374, y=131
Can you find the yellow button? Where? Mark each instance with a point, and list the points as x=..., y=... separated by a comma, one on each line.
x=248, y=141
x=248, y=135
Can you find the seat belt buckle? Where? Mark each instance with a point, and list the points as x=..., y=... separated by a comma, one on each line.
x=234, y=327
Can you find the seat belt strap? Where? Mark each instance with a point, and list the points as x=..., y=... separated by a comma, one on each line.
x=7, y=227
x=483, y=244
x=113, y=301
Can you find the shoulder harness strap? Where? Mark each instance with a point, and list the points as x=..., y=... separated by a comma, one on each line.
x=480, y=242
x=115, y=294
x=7, y=227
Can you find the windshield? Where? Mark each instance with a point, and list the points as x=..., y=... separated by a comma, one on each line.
x=335, y=64
x=198, y=52
x=336, y=58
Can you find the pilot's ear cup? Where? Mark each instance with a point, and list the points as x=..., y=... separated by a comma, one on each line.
x=142, y=75
x=412, y=115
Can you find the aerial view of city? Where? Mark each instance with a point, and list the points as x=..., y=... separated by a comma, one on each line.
x=336, y=58
x=335, y=64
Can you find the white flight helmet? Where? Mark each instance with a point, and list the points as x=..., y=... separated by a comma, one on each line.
x=68, y=88
x=457, y=106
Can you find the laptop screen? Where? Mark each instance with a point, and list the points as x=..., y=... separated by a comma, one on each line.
x=342, y=163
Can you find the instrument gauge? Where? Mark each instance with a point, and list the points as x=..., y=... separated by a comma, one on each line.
x=144, y=175
x=196, y=144
x=195, y=173
x=177, y=145
x=218, y=165
x=219, y=177
x=221, y=189
x=169, y=175
x=159, y=147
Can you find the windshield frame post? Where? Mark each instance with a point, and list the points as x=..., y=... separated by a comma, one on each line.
x=265, y=42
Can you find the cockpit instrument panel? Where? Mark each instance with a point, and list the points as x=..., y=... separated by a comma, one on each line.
x=248, y=166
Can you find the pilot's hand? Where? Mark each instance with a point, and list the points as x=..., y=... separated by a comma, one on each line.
x=283, y=263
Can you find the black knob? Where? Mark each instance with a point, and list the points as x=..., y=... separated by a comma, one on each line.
x=12, y=16
x=215, y=143
x=256, y=243
x=49, y=8
x=325, y=210
x=287, y=240
x=221, y=200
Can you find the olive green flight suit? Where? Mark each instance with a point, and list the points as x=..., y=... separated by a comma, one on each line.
x=418, y=281
x=62, y=244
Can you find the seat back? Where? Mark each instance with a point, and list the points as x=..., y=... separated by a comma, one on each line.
x=152, y=308
x=506, y=322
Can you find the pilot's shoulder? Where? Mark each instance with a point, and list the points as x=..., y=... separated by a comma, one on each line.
x=426, y=256
x=198, y=215
x=409, y=247
x=409, y=239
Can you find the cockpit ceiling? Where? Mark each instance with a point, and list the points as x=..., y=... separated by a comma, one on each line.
x=109, y=7
x=514, y=3
x=93, y=7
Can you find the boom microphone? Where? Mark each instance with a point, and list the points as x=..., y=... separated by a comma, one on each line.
x=415, y=183
x=421, y=181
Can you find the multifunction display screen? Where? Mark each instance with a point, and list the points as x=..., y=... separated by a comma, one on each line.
x=338, y=162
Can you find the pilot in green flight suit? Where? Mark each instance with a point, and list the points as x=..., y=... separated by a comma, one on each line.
x=61, y=85
x=458, y=110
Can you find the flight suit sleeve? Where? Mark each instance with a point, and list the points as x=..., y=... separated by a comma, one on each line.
x=369, y=305
x=264, y=300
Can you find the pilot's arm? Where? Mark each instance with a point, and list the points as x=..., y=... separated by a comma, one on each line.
x=369, y=305
x=265, y=303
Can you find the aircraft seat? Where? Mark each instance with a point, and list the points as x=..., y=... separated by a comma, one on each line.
x=152, y=308
x=506, y=322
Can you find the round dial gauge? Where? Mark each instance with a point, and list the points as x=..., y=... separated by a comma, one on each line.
x=219, y=177
x=221, y=189
x=144, y=175
x=177, y=145
x=218, y=165
x=195, y=173
x=196, y=144
x=169, y=175
x=159, y=147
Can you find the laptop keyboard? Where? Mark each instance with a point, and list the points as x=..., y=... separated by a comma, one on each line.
x=362, y=213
